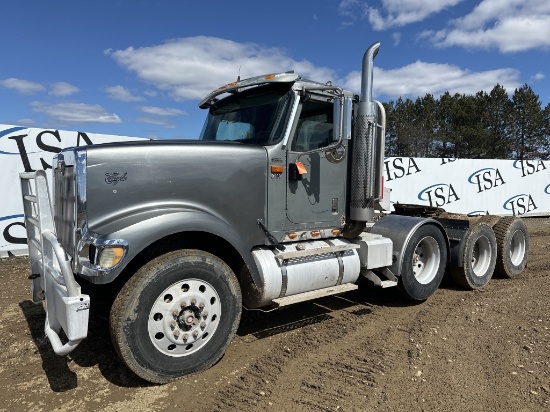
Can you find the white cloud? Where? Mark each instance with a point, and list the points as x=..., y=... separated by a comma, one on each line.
x=62, y=89
x=158, y=121
x=349, y=8
x=419, y=78
x=396, y=38
x=22, y=86
x=507, y=25
x=75, y=112
x=398, y=13
x=159, y=111
x=26, y=122
x=190, y=68
x=122, y=94
x=538, y=76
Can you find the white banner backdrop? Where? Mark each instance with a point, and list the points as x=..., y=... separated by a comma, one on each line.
x=23, y=150
x=471, y=186
x=501, y=187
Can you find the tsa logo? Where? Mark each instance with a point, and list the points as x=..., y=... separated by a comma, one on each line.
x=520, y=204
x=439, y=194
x=486, y=179
x=528, y=167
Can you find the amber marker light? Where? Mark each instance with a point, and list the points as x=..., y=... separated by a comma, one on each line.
x=292, y=236
x=336, y=232
x=315, y=233
x=269, y=76
x=277, y=169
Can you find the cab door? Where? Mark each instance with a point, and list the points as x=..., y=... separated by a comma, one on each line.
x=318, y=195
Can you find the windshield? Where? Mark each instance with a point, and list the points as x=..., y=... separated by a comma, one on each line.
x=256, y=116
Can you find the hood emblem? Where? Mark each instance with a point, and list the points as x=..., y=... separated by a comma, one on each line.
x=114, y=178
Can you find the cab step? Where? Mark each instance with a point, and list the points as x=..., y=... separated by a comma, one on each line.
x=314, y=294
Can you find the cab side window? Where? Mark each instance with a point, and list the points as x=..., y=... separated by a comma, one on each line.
x=315, y=128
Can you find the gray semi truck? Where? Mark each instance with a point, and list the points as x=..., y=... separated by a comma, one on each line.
x=280, y=200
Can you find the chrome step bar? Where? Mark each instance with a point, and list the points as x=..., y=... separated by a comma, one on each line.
x=314, y=294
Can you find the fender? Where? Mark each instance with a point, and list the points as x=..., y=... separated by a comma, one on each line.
x=400, y=229
x=143, y=229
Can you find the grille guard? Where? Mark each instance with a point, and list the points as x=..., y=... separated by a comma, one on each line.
x=53, y=281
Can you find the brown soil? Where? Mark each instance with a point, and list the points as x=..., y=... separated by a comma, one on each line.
x=368, y=349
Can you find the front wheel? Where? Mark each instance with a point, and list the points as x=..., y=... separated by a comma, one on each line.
x=176, y=315
x=424, y=262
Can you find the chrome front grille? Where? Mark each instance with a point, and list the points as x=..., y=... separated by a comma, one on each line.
x=65, y=205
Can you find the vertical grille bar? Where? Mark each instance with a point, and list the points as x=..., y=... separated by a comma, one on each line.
x=65, y=206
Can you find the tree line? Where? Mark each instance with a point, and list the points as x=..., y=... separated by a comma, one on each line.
x=481, y=126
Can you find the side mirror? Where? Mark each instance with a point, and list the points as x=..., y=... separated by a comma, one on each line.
x=342, y=106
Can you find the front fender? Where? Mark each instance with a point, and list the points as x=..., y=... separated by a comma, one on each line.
x=143, y=232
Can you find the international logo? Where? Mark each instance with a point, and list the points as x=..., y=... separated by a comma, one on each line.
x=486, y=179
x=520, y=204
x=439, y=194
x=398, y=167
x=529, y=167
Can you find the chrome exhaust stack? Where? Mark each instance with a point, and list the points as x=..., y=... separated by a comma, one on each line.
x=367, y=143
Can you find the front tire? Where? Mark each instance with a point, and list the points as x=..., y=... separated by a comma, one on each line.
x=480, y=253
x=176, y=315
x=424, y=261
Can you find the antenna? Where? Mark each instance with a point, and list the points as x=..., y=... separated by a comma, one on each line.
x=239, y=76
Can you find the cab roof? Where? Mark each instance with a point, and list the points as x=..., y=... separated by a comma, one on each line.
x=235, y=87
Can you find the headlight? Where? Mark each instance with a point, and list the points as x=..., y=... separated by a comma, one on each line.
x=110, y=256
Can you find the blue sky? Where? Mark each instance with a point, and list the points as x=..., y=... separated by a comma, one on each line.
x=140, y=67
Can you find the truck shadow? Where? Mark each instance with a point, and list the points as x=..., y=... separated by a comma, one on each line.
x=359, y=302
x=97, y=348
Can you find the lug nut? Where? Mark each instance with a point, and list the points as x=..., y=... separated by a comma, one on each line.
x=183, y=304
x=184, y=338
x=176, y=333
x=201, y=305
x=194, y=302
x=173, y=324
x=195, y=334
x=175, y=313
x=203, y=325
x=205, y=314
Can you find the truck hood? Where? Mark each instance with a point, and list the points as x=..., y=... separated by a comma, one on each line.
x=138, y=180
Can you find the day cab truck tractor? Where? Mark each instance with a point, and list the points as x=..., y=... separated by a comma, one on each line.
x=280, y=200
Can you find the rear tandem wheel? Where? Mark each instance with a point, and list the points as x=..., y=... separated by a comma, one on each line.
x=512, y=245
x=479, y=257
x=424, y=261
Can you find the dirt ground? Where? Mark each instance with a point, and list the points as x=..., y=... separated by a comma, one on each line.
x=365, y=350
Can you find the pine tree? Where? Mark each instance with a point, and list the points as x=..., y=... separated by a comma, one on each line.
x=527, y=125
x=496, y=109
